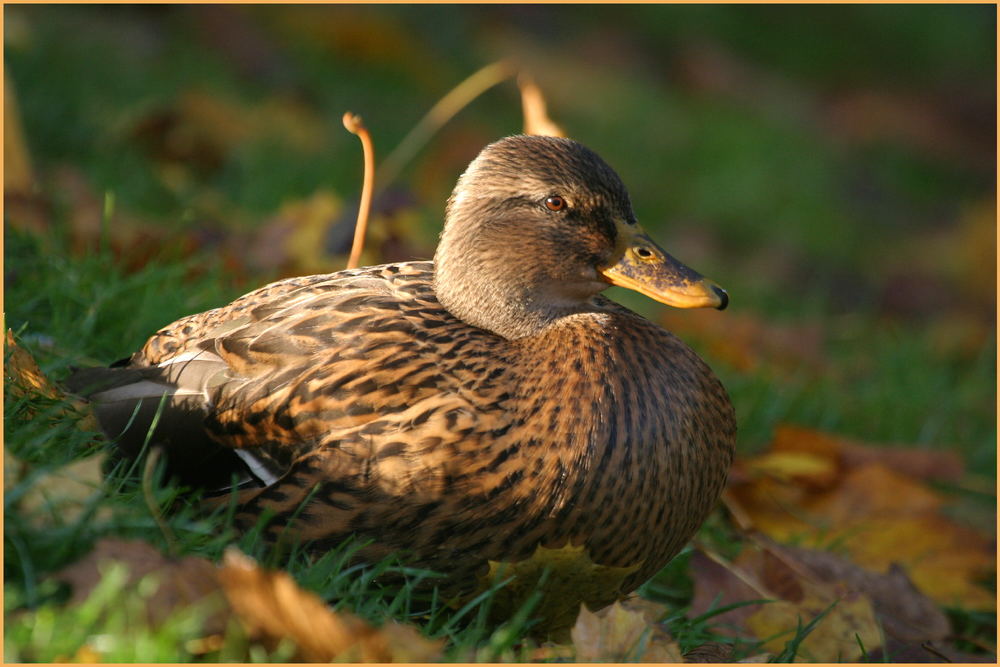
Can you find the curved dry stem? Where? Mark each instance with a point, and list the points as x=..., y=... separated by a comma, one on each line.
x=446, y=108
x=536, y=116
x=354, y=125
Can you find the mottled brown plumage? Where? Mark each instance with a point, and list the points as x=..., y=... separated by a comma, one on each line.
x=468, y=409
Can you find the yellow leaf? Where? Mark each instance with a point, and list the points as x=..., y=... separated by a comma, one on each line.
x=837, y=637
x=22, y=373
x=944, y=560
x=572, y=579
x=875, y=490
x=616, y=634
x=799, y=466
x=848, y=453
x=870, y=509
x=23, y=377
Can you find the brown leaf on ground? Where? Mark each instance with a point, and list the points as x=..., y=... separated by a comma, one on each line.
x=550, y=652
x=23, y=377
x=846, y=626
x=182, y=582
x=710, y=652
x=620, y=634
x=749, y=343
x=795, y=575
x=904, y=612
x=716, y=585
x=944, y=465
x=876, y=514
x=272, y=607
x=62, y=495
x=794, y=599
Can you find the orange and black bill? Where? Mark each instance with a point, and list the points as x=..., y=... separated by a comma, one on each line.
x=648, y=269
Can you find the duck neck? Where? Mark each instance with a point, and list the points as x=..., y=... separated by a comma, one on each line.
x=497, y=303
x=498, y=293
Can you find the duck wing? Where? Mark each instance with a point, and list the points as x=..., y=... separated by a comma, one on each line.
x=361, y=364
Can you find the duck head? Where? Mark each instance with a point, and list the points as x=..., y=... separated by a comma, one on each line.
x=536, y=227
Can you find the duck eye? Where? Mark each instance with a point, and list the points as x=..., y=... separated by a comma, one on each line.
x=555, y=203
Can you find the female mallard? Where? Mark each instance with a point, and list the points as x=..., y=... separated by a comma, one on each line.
x=486, y=406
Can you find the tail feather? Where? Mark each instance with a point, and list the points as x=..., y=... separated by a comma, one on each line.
x=164, y=406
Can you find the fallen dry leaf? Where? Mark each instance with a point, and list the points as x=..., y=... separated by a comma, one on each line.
x=838, y=637
x=22, y=374
x=718, y=584
x=759, y=657
x=875, y=513
x=904, y=612
x=710, y=652
x=572, y=578
x=181, y=582
x=620, y=634
x=269, y=604
x=944, y=465
x=803, y=468
x=552, y=652
x=272, y=607
x=793, y=600
x=950, y=563
x=23, y=377
x=808, y=579
x=60, y=496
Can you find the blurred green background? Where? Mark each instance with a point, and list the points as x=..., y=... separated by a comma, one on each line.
x=833, y=167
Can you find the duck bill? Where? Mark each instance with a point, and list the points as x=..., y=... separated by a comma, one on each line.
x=648, y=269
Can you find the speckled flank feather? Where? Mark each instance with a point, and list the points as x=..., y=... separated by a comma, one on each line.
x=369, y=408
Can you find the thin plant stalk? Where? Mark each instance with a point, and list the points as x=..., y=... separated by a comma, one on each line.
x=354, y=125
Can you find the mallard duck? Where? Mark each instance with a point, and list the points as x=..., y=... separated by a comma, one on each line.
x=487, y=407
